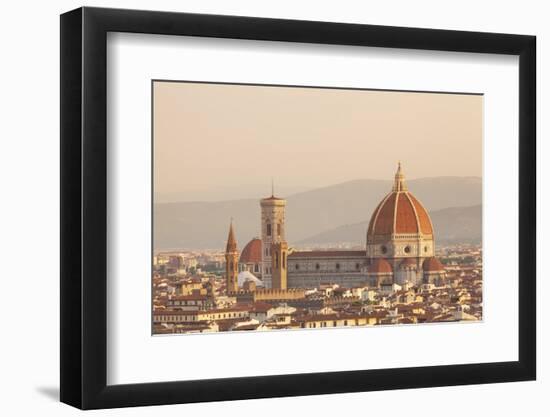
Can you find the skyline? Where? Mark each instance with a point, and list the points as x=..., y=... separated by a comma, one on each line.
x=397, y=277
x=246, y=146
x=317, y=216
x=333, y=230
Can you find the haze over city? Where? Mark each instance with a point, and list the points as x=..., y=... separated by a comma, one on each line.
x=210, y=139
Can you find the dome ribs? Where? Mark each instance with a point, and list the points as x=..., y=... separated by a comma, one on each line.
x=383, y=224
x=400, y=213
x=423, y=217
x=374, y=216
x=405, y=218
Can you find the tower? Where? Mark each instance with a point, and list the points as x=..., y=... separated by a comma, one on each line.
x=399, y=180
x=231, y=262
x=273, y=232
x=279, y=253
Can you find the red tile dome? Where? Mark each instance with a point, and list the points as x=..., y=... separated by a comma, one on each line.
x=432, y=265
x=408, y=263
x=252, y=252
x=399, y=213
x=380, y=266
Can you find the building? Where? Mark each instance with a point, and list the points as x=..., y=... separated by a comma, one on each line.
x=311, y=269
x=274, y=245
x=248, y=278
x=400, y=249
x=400, y=238
x=190, y=302
x=231, y=262
x=251, y=258
x=271, y=295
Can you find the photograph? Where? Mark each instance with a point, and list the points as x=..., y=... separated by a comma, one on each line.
x=280, y=207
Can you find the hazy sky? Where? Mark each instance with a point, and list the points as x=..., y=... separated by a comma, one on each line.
x=208, y=136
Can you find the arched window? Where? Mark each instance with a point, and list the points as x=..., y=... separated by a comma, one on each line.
x=268, y=226
x=284, y=260
x=278, y=229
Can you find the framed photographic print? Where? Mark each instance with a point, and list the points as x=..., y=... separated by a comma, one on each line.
x=300, y=207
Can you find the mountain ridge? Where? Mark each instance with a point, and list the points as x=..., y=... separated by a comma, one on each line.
x=465, y=227
x=202, y=225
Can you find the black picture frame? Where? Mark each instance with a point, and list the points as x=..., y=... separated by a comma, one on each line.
x=84, y=207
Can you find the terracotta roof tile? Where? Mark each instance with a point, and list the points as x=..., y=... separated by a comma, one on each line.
x=432, y=264
x=423, y=217
x=399, y=212
x=405, y=221
x=380, y=266
x=252, y=252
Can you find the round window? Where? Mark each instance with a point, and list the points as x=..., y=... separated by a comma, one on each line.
x=384, y=249
x=407, y=249
x=338, y=266
x=317, y=266
x=425, y=249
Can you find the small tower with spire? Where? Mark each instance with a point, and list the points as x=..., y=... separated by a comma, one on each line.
x=399, y=182
x=231, y=262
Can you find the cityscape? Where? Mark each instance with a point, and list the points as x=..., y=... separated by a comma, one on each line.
x=398, y=276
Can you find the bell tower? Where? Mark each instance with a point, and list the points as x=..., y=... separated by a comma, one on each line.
x=279, y=253
x=231, y=262
x=273, y=232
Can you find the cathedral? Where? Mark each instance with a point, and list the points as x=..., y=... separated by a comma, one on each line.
x=400, y=249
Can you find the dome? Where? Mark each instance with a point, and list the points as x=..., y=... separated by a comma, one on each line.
x=380, y=266
x=248, y=276
x=399, y=213
x=432, y=265
x=252, y=252
x=408, y=263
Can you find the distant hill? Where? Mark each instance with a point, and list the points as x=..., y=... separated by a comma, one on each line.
x=200, y=225
x=226, y=193
x=458, y=224
x=452, y=225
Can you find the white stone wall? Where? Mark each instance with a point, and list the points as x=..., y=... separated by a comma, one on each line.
x=401, y=246
x=408, y=275
x=315, y=280
x=311, y=272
